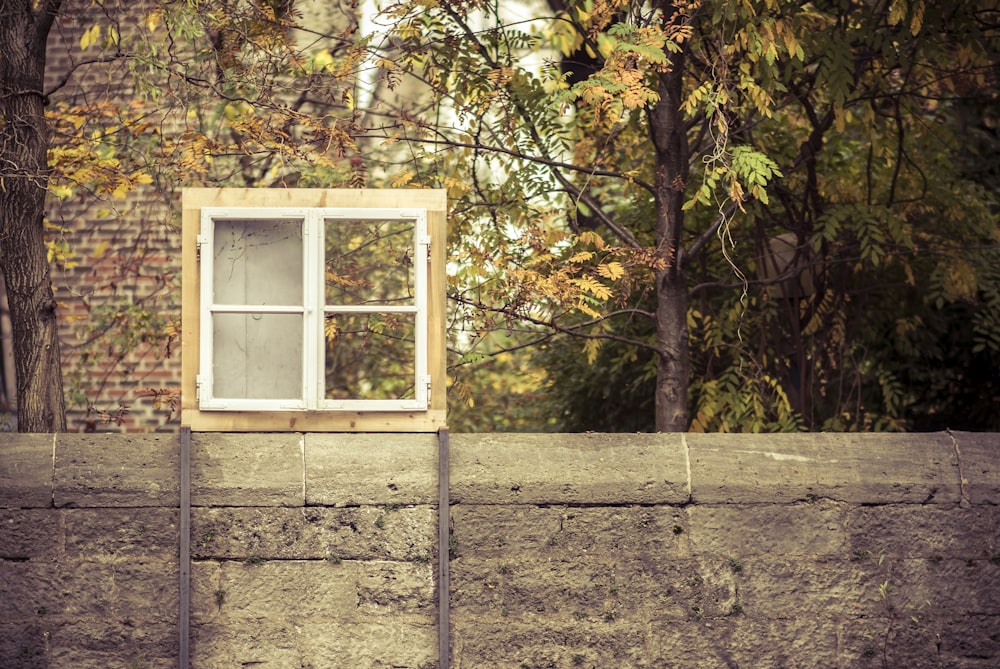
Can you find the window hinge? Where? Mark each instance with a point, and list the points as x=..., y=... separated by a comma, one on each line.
x=201, y=241
x=198, y=380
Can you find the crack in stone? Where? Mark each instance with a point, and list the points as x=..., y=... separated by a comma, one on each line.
x=963, y=483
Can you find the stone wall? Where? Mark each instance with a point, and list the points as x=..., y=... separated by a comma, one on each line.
x=595, y=551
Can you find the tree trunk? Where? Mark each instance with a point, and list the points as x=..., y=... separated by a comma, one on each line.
x=670, y=142
x=24, y=143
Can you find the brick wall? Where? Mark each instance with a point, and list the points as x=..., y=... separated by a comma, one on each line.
x=120, y=277
x=567, y=551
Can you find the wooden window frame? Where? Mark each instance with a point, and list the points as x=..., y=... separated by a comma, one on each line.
x=424, y=413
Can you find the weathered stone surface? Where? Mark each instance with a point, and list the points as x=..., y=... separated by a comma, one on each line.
x=569, y=550
x=948, y=587
x=317, y=643
x=356, y=533
x=26, y=470
x=247, y=469
x=85, y=589
x=37, y=588
x=857, y=468
x=743, y=641
x=29, y=533
x=931, y=531
x=503, y=644
x=299, y=590
x=120, y=532
x=777, y=587
x=805, y=529
x=101, y=644
x=560, y=531
x=23, y=645
x=353, y=469
x=102, y=470
x=973, y=638
x=567, y=469
x=594, y=589
x=979, y=455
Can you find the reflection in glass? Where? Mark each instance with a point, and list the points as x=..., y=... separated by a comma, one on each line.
x=369, y=262
x=257, y=356
x=370, y=356
x=258, y=261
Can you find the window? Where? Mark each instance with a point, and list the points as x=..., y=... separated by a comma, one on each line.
x=315, y=317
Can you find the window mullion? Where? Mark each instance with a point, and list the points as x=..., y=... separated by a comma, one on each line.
x=313, y=283
x=421, y=253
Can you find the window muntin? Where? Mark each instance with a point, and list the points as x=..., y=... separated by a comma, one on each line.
x=313, y=309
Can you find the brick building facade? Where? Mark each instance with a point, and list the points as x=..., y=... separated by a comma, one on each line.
x=116, y=260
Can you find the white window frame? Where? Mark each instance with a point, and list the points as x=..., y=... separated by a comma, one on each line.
x=313, y=310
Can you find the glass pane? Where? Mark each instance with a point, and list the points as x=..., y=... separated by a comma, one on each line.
x=370, y=356
x=257, y=356
x=369, y=262
x=258, y=262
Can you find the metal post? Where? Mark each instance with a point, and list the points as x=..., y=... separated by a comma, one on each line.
x=184, y=586
x=444, y=553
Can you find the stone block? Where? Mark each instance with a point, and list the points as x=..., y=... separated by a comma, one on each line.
x=318, y=642
x=354, y=533
x=927, y=531
x=508, y=643
x=106, y=470
x=856, y=468
x=100, y=644
x=589, y=589
x=743, y=641
x=121, y=532
x=979, y=455
x=300, y=590
x=23, y=645
x=145, y=589
x=562, y=531
x=775, y=587
x=568, y=469
x=805, y=529
x=973, y=638
x=946, y=587
x=71, y=589
x=26, y=470
x=261, y=469
x=375, y=469
x=30, y=533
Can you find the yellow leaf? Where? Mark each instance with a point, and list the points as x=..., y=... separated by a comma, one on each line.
x=592, y=348
x=582, y=256
x=598, y=290
x=61, y=192
x=153, y=20
x=612, y=270
x=322, y=60
x=90, y=37
x=590, y=237
x=402, y=179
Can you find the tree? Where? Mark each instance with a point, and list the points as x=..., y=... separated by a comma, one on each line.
x=710, y=131
x=24, y=142
x=630, y=205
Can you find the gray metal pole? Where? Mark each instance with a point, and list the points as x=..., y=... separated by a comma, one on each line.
x=184, y=586
x=444, y=556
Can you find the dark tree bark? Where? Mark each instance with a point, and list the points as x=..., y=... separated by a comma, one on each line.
x=24, y=143
x=666, y=126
